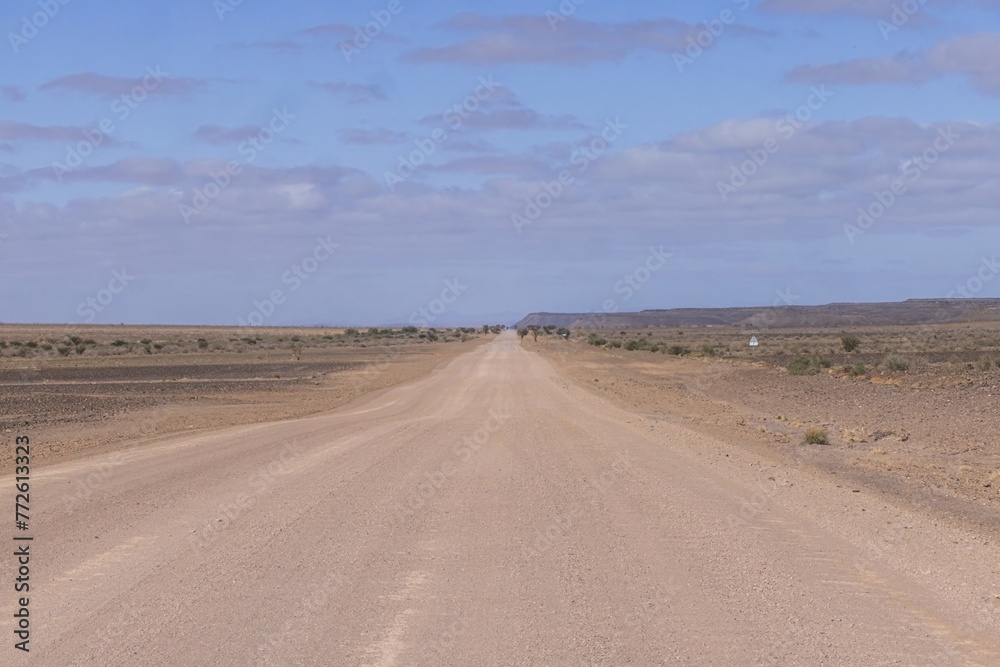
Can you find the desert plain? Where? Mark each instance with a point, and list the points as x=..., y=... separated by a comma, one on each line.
x=661, y=495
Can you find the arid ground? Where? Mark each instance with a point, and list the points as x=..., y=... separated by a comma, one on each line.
x=504, y=501
x=103, y=388
x=914, y=411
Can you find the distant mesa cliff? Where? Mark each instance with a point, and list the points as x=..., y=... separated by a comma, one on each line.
x=913, y=311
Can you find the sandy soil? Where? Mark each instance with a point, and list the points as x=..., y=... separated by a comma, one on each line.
x=79, y=406
x=935, y=446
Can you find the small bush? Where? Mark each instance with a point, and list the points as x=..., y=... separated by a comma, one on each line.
x=32, y=344
x=614, y=345
x=816, y=435
x=46, y=347
x=597, y=341
x=850, y=343
x=120, y=343
x=897, y=364
x=64, y=350
x=202, y=343
x=678, y=350
x=803, y=366
x=856, y=370
x=708, y=350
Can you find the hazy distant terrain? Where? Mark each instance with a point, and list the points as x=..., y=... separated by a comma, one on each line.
x=913, y=311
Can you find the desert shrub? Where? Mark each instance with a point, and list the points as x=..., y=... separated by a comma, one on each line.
x=32, y=344
x=897, y=364
x=598, y=342
x=678, y=350
x=145, y=341
x=708, y=350
x=46, y=347
x=120, y=343
x=76, y=340
x=850, y=343
x=351, y=332
x=615, y=345
x=80, y=349
x=816, y=435
x=90, y=341
x=64, y=350
x=158, y=346
x=655, y=348
x=632, y=345
x=856, y=370
x=803, y=366
x=562, y=331
x=202, y=343
x=825, y=363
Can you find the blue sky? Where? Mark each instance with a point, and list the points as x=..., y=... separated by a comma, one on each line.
x=216, y=155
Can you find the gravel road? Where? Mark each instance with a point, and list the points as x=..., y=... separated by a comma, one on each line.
x=491, y=513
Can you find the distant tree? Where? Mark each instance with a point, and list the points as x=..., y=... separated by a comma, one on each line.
x=562, y=331
x=486, y=328
x=522, y=332
x=534, y=334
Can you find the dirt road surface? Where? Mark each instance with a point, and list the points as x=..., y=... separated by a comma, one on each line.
x=491, y=513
